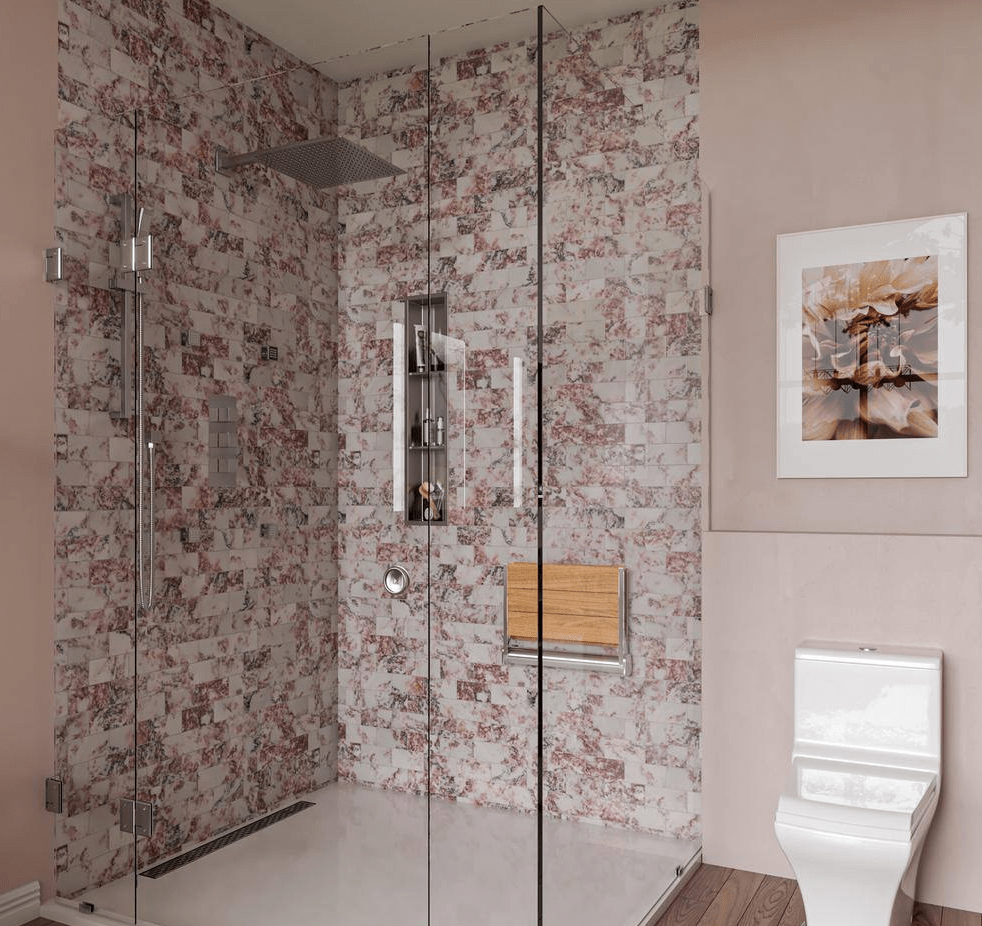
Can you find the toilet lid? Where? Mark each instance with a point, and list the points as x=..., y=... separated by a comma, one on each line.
x=841, y=796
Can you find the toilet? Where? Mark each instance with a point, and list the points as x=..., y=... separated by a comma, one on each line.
x=864, y=779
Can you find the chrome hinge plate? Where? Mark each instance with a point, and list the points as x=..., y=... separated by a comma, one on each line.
x=707, y=299
x=136, y=817
x=137, y=255
x=53, y=265
x=54, y=801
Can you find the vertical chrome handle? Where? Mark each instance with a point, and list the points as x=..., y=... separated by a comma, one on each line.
x=145, y=536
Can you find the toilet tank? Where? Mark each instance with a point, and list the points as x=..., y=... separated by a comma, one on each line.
x=868, y=704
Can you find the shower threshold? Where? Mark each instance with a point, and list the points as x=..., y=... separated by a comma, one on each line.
x=360, y=857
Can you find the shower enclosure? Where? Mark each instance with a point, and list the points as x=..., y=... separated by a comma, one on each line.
x=430, y=307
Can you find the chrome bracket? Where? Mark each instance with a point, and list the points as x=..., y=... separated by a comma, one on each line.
x=707, y=300
x=137, y=255
x=136, y=250
x=136, y=817
x=222, y=157
x=54, y=801
x=53, y=267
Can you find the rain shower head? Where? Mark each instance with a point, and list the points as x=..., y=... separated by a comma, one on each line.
x=319, y=162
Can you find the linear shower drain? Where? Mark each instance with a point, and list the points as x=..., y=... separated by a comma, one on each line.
x=186, y=858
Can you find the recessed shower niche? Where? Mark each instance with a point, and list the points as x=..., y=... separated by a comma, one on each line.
x=426, y=369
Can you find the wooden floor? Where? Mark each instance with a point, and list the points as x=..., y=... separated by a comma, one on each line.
x=726, y=897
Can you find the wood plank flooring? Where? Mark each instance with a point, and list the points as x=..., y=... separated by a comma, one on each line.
x=727, y=897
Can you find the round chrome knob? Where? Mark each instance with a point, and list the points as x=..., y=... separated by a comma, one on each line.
x=396, y=581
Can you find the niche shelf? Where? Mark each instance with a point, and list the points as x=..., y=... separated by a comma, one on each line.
x=426, y=409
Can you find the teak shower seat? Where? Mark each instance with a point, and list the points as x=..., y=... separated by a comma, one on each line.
x=584, y=616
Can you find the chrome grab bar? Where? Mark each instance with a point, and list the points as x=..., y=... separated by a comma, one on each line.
x=145, y=533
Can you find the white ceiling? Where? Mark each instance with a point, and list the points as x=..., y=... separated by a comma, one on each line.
x=321, y=30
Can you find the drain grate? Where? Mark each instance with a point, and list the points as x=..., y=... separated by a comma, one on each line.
x=186, y=858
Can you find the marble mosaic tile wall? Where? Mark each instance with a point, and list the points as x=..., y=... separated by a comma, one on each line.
x=481, y=253
x=237, y=662
x=622, y=400
x=622, y=393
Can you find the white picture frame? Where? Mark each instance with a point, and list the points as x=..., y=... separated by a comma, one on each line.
x=871, y=353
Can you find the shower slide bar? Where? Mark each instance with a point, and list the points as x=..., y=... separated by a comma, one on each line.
x=584, y=617
x=135, y=258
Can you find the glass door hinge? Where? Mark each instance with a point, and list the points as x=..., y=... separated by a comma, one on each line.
x=53, y=267
x=707, y=300
x=54, y=795
x=135, y=817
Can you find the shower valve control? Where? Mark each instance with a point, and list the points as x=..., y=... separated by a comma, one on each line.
x=223, y=444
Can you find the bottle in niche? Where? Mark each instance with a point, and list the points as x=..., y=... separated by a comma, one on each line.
x=416, y=432
x=427, y=423
x=439, y=431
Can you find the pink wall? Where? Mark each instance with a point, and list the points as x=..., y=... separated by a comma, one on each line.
x=819, y=116
x=813, y=117
x=27, y=111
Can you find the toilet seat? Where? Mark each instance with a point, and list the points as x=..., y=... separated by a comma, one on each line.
x=856, y=799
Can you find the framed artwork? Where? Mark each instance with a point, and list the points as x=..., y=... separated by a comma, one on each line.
x=871, y=350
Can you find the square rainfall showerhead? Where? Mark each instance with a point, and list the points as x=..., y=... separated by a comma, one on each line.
x=318, y=162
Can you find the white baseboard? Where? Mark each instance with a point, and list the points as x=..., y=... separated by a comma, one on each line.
x=21, y=905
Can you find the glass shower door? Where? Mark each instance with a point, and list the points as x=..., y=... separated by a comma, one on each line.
x=282, y=692
x=95, y=625
x=482, y=738
x=620, y=516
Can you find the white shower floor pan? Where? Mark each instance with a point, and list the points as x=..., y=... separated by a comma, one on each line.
x=359, y=857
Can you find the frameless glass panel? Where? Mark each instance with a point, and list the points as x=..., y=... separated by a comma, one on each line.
x=483, y=728
x=282, y=690
x=94, y=590
x=620, y=552
x=383, y=295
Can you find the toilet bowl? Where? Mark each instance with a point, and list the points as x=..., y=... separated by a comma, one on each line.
x=864, y=780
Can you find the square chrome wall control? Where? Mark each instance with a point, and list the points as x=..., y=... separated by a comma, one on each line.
x=53, y=267
x=53, y=795
x=223, y=444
